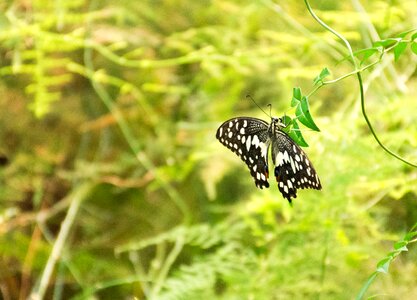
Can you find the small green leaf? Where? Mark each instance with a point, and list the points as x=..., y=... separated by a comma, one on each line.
x=323, y=74
x=409, y=236
x=303, y=114
x=414, y=36
x=296, y=130
x=414, y=47
x=296, y=96
x=383, y=265
x=296, y=139
x=402, y=249
x=286, y=120
x=292, y=134
x=405, y=33
x=367, y=53
x=386, y=43
x=399, y=49
x=401, y=246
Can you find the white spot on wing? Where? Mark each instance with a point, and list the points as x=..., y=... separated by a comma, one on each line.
x=279, y=160
x=248, y=143
x=255, y=141
x=242, y=130
x=286, y=158
x=230, y=134
x=292, y=164
x=264, y=150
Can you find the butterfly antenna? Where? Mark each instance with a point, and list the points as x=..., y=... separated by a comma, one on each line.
x=250, y=97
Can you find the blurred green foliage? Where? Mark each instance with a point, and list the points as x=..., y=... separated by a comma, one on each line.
x=112, y=184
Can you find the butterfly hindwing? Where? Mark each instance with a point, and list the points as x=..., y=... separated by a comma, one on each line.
x=293, y=170
x=248, y=138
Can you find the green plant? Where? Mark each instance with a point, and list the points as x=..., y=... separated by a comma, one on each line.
x=114, y=185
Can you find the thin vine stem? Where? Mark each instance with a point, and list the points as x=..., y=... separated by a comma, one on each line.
x=332, y=31
x=368, y=122
x=359, y=76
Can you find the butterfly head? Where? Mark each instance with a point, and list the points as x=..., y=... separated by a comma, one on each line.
x=279, y=122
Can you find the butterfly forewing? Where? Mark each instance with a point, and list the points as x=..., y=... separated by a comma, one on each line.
x=248, y=138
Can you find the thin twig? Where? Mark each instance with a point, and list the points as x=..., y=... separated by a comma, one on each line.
x=79, y=195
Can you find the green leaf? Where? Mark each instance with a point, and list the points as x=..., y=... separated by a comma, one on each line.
x=296, y=96
x=383, y=265
x=399, y=49
x=323, y=74
x=293, y=135
x=405, y=33
x=401, y=246
x=414, y=36
x=409, y=236
x=386, y=43
x=414, y=47
x=367, y=53
x=296, y=130
x=296, y=139
x=286, y=120
x=303, y=114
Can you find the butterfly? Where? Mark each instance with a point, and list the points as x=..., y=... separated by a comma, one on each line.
x=250, y=138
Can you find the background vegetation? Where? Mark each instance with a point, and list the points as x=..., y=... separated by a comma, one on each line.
x=112, y=184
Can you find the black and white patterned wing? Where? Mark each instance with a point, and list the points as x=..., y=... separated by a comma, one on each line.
x=293, y=169
x=248, y=138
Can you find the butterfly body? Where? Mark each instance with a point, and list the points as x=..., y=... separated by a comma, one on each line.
x=251, y=138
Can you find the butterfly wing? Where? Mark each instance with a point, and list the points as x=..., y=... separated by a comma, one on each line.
x=248, y=138
x=293, y=170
